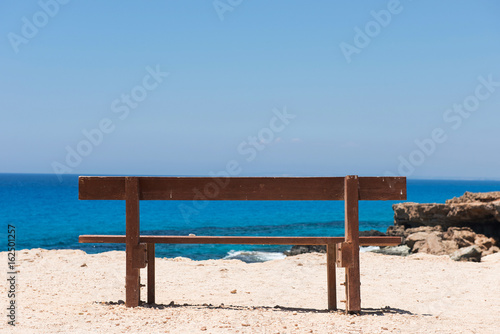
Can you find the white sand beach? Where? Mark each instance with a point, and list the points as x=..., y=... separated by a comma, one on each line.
x=69, y=291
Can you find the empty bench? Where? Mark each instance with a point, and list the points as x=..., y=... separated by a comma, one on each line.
x=341, y=251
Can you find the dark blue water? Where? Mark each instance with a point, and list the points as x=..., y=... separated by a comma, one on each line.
x=47, y=214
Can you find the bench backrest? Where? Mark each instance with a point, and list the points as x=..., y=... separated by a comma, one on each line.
x=241, y=188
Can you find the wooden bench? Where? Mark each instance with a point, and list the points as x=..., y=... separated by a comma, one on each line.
x=341, y=251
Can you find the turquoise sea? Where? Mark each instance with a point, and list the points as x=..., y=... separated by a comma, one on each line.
x=47, y=214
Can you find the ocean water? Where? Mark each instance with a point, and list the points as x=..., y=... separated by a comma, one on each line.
x=47, y=214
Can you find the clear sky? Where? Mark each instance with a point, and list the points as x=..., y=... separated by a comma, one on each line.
x=251, y=87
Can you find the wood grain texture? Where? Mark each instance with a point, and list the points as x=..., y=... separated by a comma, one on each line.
x=241, y=188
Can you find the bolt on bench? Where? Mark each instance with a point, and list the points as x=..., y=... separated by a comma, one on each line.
x=341, y=251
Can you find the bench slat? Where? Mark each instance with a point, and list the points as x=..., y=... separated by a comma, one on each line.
x=241, y=188
x=239, y=240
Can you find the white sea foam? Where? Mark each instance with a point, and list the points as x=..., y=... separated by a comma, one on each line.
x=253, y=256
x=363, y=249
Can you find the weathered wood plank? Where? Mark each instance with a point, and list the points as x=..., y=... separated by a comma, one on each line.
x=241, y=188
x=239, y=240
x=382, y=188
x=101, y=187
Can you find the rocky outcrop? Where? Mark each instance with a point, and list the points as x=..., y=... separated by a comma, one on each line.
x=434, y=240
x=470, y=221
x=469, y=197
x=478, y=211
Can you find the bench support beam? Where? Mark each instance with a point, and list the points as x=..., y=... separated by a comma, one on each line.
x=238, y=240
x=151, y=273
x=353, y=281
x=132, y=276
x=331, y=276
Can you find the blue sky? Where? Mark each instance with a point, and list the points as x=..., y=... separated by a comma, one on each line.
x=251, y=87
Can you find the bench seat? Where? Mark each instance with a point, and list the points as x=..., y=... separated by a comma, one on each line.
x=238, y=240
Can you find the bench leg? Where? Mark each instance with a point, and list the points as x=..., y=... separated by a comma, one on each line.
x=132, y=275
x=353, y=283
x=331, y=259
x=151, y=273
x=353, y=290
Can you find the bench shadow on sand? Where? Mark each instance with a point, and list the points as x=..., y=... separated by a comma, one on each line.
x=364, y=311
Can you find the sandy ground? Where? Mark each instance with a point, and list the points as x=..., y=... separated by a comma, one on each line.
x=69, y=291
